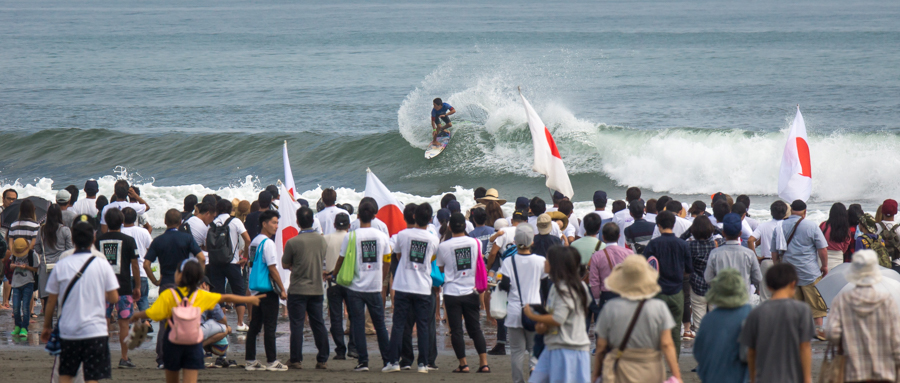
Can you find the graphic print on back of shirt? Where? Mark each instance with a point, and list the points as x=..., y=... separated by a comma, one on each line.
x=417, y=251
x=368, y=254
x=112, y=249
x=463, y=259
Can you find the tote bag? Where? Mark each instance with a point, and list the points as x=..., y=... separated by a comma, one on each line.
x=348, y=267
x=259, y=274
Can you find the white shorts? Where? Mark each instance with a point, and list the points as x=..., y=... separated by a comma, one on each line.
x=211, y=327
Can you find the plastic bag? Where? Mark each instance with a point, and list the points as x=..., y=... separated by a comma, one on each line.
x=348, y=267
x=498, y=303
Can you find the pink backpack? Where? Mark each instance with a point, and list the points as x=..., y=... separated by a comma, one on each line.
x=184, y=325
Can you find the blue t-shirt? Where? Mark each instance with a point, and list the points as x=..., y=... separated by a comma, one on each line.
x=444, y=109
x=483, y=234
x=171, y=248
x=717, y=348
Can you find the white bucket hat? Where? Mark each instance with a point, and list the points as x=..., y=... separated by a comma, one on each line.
x=864, y=269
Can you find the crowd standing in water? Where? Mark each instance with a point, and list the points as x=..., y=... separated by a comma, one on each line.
x=638, y=277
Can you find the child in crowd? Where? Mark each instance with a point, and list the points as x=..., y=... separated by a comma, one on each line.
x=566, y=357
x=186, y=358
x=24, y=264
x=215, y=331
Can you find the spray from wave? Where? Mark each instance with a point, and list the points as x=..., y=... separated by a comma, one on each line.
x=491, y=136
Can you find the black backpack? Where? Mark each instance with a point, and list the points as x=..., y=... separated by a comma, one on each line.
x=218, y=243
x=185, y=227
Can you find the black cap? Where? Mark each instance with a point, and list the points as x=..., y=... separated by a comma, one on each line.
x=798, y=205
x=520, y=215
x=454, y=206
x=600, y=196
x=457, y=222
x=522, y=203
x=341, y=221
x=443, y=215
x=273, y=190
x=208, y=283
x=303, y=202
x=91, y=186
x=557, y=196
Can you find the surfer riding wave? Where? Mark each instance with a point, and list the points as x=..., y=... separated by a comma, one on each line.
x=440, y=112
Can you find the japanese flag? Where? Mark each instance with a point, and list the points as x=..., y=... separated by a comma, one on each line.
x=795, y=178
x=287, y=210
x=547, y=160
x=390, y=211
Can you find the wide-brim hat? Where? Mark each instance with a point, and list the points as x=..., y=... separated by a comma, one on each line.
x=557, y=216
x=634, y=279
x=492, y=195
x=864, y=269
x=20, y=247
x=728, y=290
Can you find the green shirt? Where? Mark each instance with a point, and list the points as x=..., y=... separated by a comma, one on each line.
x=586, y=246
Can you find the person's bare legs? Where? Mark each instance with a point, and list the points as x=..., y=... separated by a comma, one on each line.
x=190, y=376
x=7, y=291
x=172, y=376
x=123, y=333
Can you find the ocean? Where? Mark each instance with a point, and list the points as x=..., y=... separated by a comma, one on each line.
x=683, y=98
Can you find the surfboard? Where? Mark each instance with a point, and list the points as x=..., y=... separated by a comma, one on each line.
x=443, y=140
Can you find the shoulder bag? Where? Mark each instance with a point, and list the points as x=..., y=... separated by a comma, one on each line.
x=527, y=323
x=793, y=231
x=611, y=364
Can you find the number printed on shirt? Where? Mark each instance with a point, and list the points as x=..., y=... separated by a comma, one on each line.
x=463, y=258
x=417, y=252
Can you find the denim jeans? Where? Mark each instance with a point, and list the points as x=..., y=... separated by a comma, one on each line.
x=410, y=307
x=337, y=296
x=298, y=308
x=22, y=304
x=357, y=302
x=406, y=350
x=264, y=315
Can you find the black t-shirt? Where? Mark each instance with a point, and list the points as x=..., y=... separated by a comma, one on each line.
x=251, y=223
x=171, y=248
x=543, y=242
x=119, y=249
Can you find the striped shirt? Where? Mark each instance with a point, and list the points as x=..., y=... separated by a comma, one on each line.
x=23, y=229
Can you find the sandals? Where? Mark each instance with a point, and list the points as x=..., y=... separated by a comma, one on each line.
x=484, y=369
x=464, y=369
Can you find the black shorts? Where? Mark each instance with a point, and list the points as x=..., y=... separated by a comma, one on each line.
x=93, y=353
x=177, y=357
x=437, y=120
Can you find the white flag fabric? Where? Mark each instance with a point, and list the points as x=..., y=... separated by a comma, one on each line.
x=288, y=174
x=390, y=211
x=795, y=178
x=547, y=160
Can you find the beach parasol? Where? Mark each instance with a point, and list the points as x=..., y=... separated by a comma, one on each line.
x=836, y=282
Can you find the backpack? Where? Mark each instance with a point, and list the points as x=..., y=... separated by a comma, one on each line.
x=184, y=325
x=185, y=227
x=509, y=251
x=891, y=240
x=218, y=243
x=876, y=245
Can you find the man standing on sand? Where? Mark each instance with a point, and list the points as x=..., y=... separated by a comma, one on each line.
x=441, y=111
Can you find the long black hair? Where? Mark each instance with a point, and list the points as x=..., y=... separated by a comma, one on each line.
x=26, y=211
x=839, y=222
x=564, y=272
x=53, y=222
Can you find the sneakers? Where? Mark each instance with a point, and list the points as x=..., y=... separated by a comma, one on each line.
x=352, y=354
x=220, y=362
x=431, y=367
x=23, y=331
x=339, y=357
x=499, y=349
x=160, y=366
x=362, y=367
x=423, y=369
x=321, y=366
x=242, y=328
x=254, y=366
x=391, y=367
x=276, y=366
x=406, y=368
x=295, y=366
x=126, y=363
x=15, y=331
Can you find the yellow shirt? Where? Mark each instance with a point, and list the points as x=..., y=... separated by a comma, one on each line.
x=162, y=308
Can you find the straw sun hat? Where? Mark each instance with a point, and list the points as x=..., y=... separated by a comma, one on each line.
x=492, y=195
x=634, y=279
x=20, y=247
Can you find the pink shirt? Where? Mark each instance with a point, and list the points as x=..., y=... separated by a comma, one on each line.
x=600, y=266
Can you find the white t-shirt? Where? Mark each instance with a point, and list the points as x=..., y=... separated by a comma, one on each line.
x=138, y=207
x=326, y=218
x=84, y=314
x=752, y=222
x=376, y=224
x=763, y=233
x=143, y=239
x=605, y=216
x=531, y=271
x=236, y=228
x=372, y=248
x=457, y=256
x=85, y=206
x=333, y=244
x=269, y=254
x=507, y=238
x=682, y=226
x=417, y=248
x=571, y=229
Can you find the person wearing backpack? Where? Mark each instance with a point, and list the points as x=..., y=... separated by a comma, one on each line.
x=868, y=240
x=197, y=225
x=889, y=231
x=81, y=285
x=180, y=307
x=24, y=266
x=225, y=258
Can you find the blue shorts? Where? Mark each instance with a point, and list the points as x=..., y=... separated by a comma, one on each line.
x=177, y=357
x=125, y=307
